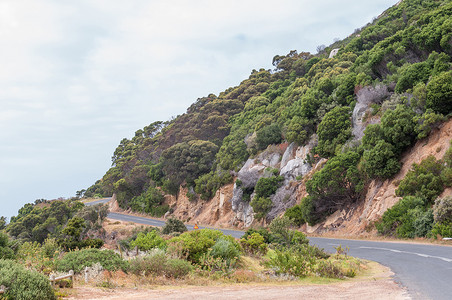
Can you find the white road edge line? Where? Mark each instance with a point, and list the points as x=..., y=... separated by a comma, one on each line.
x=407, y=252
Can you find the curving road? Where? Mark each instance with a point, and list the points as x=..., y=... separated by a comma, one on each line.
x=425, y=270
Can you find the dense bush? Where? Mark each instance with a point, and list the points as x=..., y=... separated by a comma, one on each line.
x=261, y=206
x=6, y=251
x=270, y=134
x=338, y=183
x=173, y=225
x=284, y=236
x=79, y=259
x=442, y=210
x=225, y=249
x=380, y=161
x=193, y=244
x=442, y=229
x=254, y=244
x=156, y=263
x=22, y=284
x=295, y=214
x=423, y=180
x=148, y=241
x=439, y=93
x=267, y=186
x=297, y=263
x=398, y=220
x=334, y=130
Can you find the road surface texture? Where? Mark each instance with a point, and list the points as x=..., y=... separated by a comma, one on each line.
x=425, y=270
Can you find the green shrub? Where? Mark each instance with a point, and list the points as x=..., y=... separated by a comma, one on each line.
x=254, y=244
x=79, y=259
x=439, y=93
x=6, y=252
x=264, y=232
x=225, y=249
x=267, y=186
x=398, y=216
x=157, y=264
x=22, y=284
x=173, y=225
x=270, y=134
x=338, y=183
x=380, y=161
x=442, y=229
x=154, y=263
x=192, y=244
x=334, y=130
x=426, y=122
x=442, y=210
x=325, y=268
x=288, y=261
x=177, y=268
x=295, y=214
x=423, y=180
x=148, y=241
x=261, y=206
x=398, y=127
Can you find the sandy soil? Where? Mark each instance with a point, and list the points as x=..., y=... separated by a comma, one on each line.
x=378, y=285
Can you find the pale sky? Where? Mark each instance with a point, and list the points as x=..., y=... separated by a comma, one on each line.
x=78, y=76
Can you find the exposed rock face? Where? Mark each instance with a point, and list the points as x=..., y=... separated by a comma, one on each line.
x=249, y=174
x=215, y=212
x=292, y=163
x=333, y=52
x=295, y=160
x=365, y=97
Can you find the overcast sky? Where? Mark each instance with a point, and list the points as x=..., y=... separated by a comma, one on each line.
x=78, y=76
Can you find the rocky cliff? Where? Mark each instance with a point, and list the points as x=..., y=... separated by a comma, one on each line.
x=228, y=208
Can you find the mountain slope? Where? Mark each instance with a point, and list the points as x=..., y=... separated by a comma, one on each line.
x=328, y=126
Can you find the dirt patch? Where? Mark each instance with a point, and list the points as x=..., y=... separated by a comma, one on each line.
x=376, y=283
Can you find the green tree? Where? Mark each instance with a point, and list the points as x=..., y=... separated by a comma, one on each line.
x=173, y=225
x=423, y=180
x=398, y=127
x=267, y=135
x=188, y=160
x=338, y=183
x=2, y=223
x=380, y=161
x=439, y=93
x=334, y=130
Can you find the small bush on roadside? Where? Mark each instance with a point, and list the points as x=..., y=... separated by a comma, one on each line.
x=328, y=269
x=193, y=244
x=148, y=241
x=442, y=229
x=178, y=268
x=212, y=264
x=173, y=225
x=154, y=263
x=22, y=284
x=225, y=249
x=79, y=259
x=291, y=262
x=264, y=232
x=442, y=210
x=254, y=244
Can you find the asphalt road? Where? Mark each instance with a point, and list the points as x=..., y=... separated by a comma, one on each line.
x=425, y=270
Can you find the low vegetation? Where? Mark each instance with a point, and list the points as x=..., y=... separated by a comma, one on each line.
x=276, y=253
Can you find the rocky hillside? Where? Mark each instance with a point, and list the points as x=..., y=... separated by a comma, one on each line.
x=324, y=138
